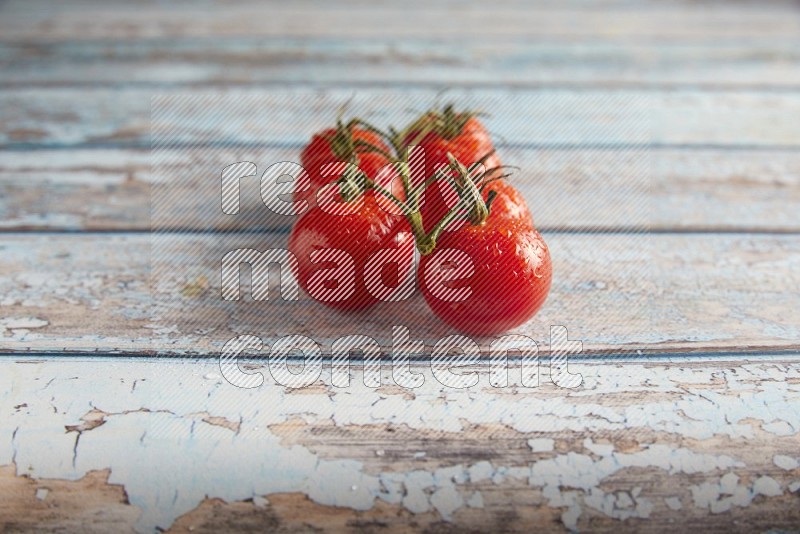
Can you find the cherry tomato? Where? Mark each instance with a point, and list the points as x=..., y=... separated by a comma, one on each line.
x=461, y=135
x=507, y=204
x=488, y=278
x=339, y=145
x=341, y=258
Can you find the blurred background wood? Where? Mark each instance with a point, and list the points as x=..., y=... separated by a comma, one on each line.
x=689, y=297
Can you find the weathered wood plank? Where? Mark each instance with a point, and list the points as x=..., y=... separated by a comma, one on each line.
x=614, y=292
x=26, y=20
x=75, y=190
x=532, y=62
x=669, y=189
x=640, y=446
x=122, y=117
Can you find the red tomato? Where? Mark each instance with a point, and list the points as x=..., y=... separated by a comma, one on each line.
x=333, y=145
x=488, y=278
x=508, y=204
x=461, y=135
x=340, y=258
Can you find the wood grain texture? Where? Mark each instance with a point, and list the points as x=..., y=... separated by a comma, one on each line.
x=530, y=61
x=640, y=446
x=614, y=292
x=621, y=20
x=623, y=114
x=663, y=190
x=122, y=117
x=75, y=190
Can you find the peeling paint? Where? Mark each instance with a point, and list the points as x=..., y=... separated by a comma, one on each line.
x=476, y=500
x=721, y=497
x=172, y=419
x=18, y=328
x=673, y=503
x=597, y=448
x=480, y=471
x=767, y=486
x=22, y=322
x=541, y=444
x=785, y=462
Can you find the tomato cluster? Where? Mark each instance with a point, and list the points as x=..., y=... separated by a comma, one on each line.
x=484, y=268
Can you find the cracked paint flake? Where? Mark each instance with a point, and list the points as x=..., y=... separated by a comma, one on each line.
x=475, y=500
x=767, y=486
x=541, y=444
x=481, y=471
x=728, y=483
x=786, y=463
x=446, y=500
x=721, y=497
x=12, y=323
x=154, y=415
x=598, y=448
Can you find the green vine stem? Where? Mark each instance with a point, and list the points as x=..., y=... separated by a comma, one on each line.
x=469, y=186
x=470, y=205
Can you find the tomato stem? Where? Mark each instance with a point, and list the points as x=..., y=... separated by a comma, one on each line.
x=470, y=205
x=446, y=123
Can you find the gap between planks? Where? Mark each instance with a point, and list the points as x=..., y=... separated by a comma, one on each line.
x=615, y=293
x=764, y=65
x=749, y=355
x=548, y=118
x=567, y=190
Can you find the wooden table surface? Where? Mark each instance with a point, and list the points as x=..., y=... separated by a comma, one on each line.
x=659, y=150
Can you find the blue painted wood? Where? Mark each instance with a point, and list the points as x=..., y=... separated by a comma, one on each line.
x=554, y=118
x=762, y=64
